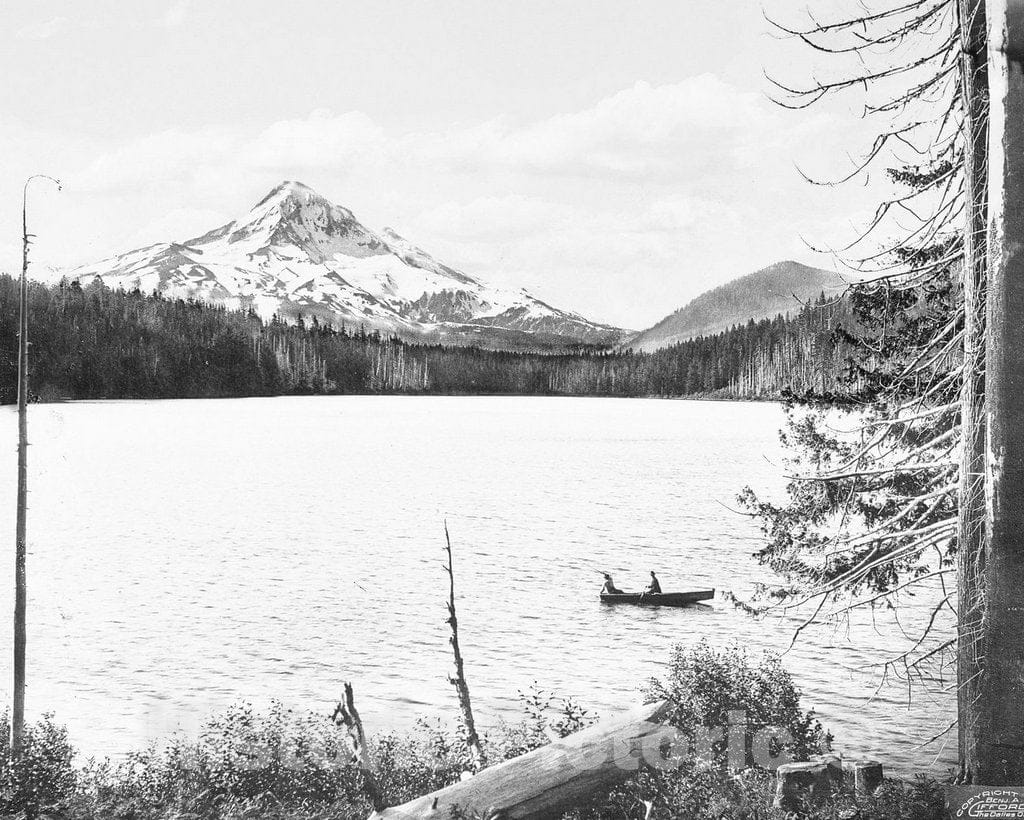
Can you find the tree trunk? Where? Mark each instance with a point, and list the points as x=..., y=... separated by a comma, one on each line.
x=971, y=529
x=458, y=680
x=550, y=780
x=20, y=596
x=998, y=714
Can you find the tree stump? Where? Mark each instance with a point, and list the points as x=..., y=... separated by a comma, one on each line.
x=811, y=782
x=867, y=776
x=834, y=769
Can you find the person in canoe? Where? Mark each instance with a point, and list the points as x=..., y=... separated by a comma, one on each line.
x=609, y=587
x=653, y=588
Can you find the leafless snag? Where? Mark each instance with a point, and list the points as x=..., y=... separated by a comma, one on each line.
x=458, y=679
x=347, y=717
x=20, y=542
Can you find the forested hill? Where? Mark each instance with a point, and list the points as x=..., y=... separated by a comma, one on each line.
x=778, y=289
x=91, y=342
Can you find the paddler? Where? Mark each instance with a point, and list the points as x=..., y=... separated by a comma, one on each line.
x=609, y=587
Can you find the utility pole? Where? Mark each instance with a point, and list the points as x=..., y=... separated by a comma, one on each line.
x=999, y=709
x=20, y=593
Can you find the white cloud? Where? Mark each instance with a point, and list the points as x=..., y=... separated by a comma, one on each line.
x=611, y=263
x=175, y=14
x=700, y=126
x=44, y=30
x=622, y=210
x=493, y=218
x=321, y=141
x=177, y=225
x=643, y=130
x=168, y=157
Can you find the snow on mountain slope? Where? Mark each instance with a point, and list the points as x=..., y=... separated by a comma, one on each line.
x=296, y=253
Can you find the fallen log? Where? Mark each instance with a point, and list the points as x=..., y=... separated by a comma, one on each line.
x=551, y=780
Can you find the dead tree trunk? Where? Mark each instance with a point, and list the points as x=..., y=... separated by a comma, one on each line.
x=20, y=546
x=999, y=711
x=20, y=595
x=458, y=680
x=971, y=525
x=345, y=715
x=551, y=780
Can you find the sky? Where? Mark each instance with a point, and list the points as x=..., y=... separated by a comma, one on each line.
x=613, y=158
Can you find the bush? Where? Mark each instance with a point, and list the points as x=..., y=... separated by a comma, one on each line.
x=286, y=765
x=705, y=684
x=43, y=779
x=243, y=761
x=703, y=792
x=435, y=755
x=546, y=716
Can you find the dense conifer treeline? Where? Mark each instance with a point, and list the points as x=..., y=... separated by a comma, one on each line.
x=91, y=342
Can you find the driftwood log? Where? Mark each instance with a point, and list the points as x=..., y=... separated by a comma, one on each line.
x=547, y=781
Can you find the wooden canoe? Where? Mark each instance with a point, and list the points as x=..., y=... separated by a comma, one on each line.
x=658, y=599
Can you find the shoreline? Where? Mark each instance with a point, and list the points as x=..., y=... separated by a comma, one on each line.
x=703, y=397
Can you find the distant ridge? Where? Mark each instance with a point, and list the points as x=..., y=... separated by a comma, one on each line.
x=778, y=288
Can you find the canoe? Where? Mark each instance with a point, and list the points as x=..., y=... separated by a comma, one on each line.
x=659, y=599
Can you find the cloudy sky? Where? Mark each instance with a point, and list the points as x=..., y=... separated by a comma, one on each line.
x=614, y=158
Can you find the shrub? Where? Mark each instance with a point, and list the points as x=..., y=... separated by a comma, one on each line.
x=700, y=791
x=545, y=716
x=43, y=778
x=285, y=765
x=243, y=761
x=435, y=755
x=705, y=684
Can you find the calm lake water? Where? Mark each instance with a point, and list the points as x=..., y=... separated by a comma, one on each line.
x=185, y=555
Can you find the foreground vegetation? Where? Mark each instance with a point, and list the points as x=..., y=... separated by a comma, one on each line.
x=92, y=342
x=285, y=765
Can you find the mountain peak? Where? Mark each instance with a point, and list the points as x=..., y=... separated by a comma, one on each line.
x=297, y=253
x=289, y=190
x=294, y=185
x=295, y=217
x=288, y=199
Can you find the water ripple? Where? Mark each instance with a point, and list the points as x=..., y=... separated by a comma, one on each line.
x=187, y=554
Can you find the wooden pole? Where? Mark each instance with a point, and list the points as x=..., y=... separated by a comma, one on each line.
x=1000, y=703
x=20, y=591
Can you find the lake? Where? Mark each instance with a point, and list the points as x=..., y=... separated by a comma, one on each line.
x=184, y=555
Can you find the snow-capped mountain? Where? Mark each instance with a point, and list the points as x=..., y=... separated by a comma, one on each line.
x=296, y=253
